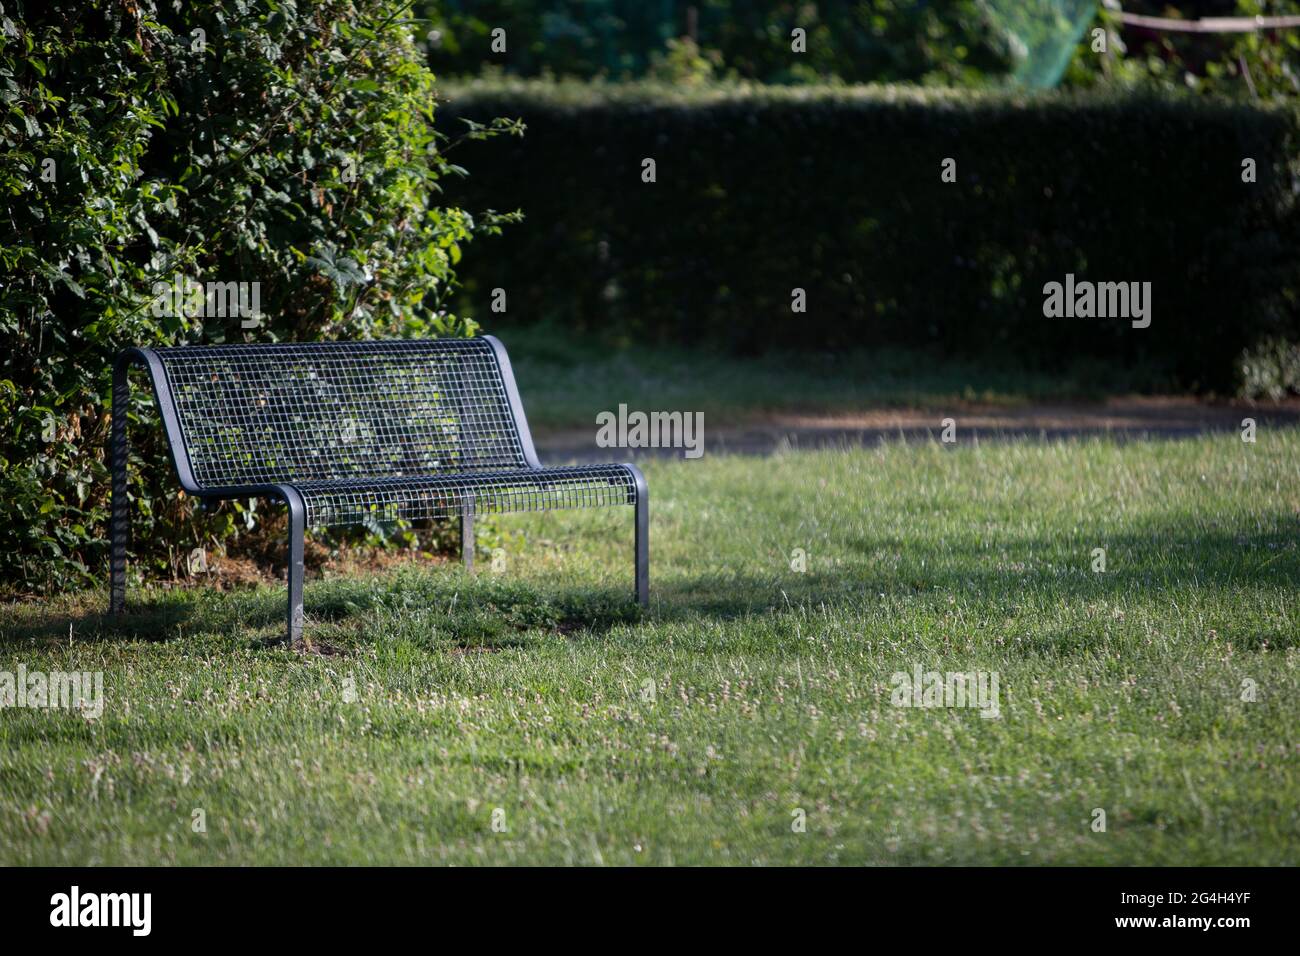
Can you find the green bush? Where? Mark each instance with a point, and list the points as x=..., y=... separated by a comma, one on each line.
x=1251, y=65
x=838, y=192
x=961, y=41
x=220, y=140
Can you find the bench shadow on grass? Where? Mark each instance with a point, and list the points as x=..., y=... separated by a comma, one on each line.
x=486, y=614
x=1151, y=565
x=150, y=616
x=475, y=615
x=1147, y=565
x=148, y=622
x=457, y=613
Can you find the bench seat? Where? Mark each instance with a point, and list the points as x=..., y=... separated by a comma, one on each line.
x=354, y=501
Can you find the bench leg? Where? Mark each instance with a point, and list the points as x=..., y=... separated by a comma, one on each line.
x=467, y=543
x=643, y=545
x=297, y=530
x=119, y=522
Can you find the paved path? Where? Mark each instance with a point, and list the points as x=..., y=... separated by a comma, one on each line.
x=1123, y=418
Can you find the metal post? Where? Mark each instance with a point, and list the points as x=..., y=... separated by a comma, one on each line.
x=119, y=522
x=467, y=532
x=297, y=529
x=642, y=538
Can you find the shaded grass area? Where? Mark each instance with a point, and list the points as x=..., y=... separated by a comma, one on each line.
x=695, y=732
x=566, y=381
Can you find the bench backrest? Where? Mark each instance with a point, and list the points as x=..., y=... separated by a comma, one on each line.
x=268, y=414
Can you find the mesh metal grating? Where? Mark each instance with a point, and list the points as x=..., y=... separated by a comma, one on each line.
x=383, y=430
x=262, y=414
x=387, y=499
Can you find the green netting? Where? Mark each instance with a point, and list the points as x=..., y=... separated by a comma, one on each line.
x=1041, y=35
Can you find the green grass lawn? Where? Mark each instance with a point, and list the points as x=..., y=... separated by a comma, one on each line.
x=693, y=733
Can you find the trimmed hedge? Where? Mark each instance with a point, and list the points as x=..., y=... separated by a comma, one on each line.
x=838, y=192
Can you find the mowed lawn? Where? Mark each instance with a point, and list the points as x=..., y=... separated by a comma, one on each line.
x=534, y=716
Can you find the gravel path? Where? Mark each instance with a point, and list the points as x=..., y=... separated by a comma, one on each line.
x=1125, y=418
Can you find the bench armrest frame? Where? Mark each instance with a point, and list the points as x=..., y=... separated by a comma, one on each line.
x=516, y=404
x=120, y=517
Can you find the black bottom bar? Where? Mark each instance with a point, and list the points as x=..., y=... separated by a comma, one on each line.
x=931, y=908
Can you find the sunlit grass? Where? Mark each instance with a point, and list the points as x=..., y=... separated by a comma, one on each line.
x=693, y=732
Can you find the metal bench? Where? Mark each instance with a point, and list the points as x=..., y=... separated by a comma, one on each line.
x=347, y=432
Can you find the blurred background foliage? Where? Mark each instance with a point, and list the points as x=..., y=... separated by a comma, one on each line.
x=981, y=43
x=1257, y=66
x=1053, y=184
x=963, y=42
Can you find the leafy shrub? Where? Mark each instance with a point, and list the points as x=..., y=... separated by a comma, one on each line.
x=959, y=41
x=1271, y=369
x=838, y=192
x=1251, y=65
x=218, y=140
